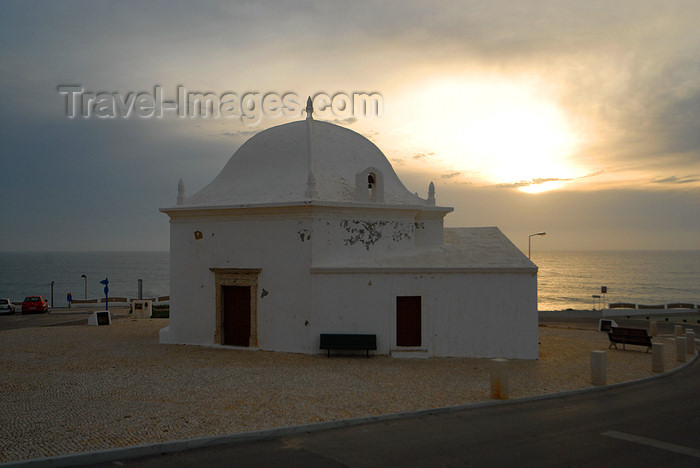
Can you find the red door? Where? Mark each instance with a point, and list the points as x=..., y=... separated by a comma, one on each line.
x=236, y=315
x=408, y=321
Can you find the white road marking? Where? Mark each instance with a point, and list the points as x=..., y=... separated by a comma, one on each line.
x=653, y=443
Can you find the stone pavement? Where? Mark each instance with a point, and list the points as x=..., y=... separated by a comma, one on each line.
x=78, y=388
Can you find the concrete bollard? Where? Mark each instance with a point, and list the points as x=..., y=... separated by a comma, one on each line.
x=499, y=379
x=653, y=328
x=678, y=330
x=689, y=341
x=657, y=357
x=598, y=368
x=680, y=348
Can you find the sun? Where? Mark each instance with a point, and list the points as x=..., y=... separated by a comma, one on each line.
x=501, y=130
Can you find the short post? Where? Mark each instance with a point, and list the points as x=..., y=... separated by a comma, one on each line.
x=678, y=330
x=140, y=289
x=106, y=283
x=657, y=357
x=690, y=341
x=598, y=368
x=653, y=328
x=680, y=348
x=499, y=379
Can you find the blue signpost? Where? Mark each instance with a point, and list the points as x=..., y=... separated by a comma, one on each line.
x=106, y=282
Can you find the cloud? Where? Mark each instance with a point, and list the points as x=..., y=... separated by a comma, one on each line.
x=639, y=104
x=346, y=121
x=591, y=174
x=370, y=134
x=423, y=156
x=625, y=72
x=240, y=133
x=450, y=175
x=677, y=180
x=528, y=183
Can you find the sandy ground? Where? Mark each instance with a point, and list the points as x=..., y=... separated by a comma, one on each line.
x=72, y=389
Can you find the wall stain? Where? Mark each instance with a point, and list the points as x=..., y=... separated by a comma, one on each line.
x=366, y=233
x=402, y=231
x=303, y=234
x=369, y=233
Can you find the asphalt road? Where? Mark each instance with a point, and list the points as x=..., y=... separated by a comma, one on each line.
x=64, y=316
x=650, y=424
x=18, y=320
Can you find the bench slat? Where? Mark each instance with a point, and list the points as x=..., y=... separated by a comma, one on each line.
x=632, y=336
x=348, y=342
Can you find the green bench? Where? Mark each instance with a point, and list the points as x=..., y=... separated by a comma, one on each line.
x=629, y=336
x=346, y=342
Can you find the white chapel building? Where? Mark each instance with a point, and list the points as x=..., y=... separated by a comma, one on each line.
x=308, y=230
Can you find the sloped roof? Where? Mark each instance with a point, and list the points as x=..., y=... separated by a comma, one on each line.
x=482, y=249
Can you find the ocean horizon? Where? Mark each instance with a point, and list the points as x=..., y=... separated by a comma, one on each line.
x=28, y=273
x=567, y=279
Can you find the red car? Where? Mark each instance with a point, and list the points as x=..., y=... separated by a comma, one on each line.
x=35, y=304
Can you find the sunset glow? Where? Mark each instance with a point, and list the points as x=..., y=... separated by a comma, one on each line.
x=502, y=131
x=531, y=116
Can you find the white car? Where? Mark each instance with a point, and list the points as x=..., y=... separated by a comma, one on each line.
x=6, y=306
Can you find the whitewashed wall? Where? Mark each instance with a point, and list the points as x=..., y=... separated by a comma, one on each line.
x=467, y=315
x=278, y=246
x=463, y=315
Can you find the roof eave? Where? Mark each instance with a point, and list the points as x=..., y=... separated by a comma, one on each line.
x=423, y=270
x=182, y=209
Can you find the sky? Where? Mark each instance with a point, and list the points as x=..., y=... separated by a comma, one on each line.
x=578, y=119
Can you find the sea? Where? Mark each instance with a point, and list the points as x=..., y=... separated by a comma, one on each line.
x=571, y=279
x=566, y=279
x=31, y=273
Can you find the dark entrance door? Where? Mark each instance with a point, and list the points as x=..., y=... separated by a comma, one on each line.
x=236, y=315
x=408, y=321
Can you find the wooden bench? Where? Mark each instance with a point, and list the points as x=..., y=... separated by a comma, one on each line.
x=631, y=336
x=348, y=342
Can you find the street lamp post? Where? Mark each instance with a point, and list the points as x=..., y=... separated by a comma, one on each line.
x=85, y=278
x=529, y=241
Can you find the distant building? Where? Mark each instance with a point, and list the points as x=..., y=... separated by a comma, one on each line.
x=308, y=230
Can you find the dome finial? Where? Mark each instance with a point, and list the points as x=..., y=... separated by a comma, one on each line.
x=311, y=192
x=180, y=192
x=309, y=108
x=431, y=194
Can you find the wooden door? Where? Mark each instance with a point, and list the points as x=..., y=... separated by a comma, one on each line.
x=236, y=315
x=408, y=321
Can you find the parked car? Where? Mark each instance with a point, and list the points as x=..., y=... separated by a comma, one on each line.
x=6, y=306
x=35, y=304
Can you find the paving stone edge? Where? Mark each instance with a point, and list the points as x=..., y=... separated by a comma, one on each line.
x=137, y=451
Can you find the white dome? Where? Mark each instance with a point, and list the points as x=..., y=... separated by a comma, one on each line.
x=273, y=167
